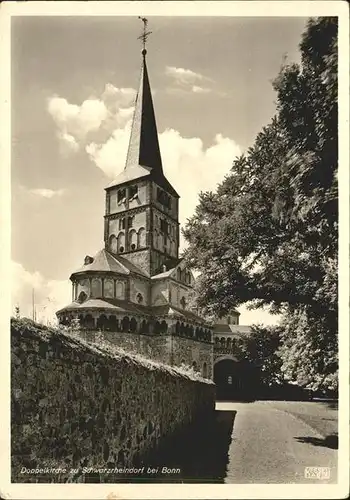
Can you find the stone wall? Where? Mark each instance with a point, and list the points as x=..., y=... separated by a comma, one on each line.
x=140, y=259
x=168, y=349
x=139, y=286
x=160, y=292
x=76, y=405
x=199, y=352
x=155, y=347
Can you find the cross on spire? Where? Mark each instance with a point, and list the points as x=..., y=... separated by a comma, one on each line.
x=145, y=34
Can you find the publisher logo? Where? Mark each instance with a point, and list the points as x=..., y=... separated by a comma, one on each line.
x=317, y=472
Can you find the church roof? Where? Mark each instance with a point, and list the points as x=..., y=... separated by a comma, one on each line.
x=105, y=261
x=170, y=310
x=243, y=330
x=122, y=306
x=165, y=274
x=143, y=157
x=112, y=305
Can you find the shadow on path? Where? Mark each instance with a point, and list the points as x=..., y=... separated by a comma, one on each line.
x=238, y=400
x=201, y=453
x=330, y=441
x=333, y=405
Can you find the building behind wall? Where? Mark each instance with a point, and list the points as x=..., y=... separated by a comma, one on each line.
x=235, y=377
x=137, y=290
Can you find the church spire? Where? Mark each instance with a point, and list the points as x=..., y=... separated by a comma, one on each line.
x=144, y=146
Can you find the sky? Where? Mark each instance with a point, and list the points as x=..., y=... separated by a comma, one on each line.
x=73, y=82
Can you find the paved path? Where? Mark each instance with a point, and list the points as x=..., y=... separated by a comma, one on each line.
x=273, y=442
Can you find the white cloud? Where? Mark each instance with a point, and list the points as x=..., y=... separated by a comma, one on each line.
x=49, y=295
x=46, y=193
x=182, y=158
x=187, y=90
x=202, y=167
x=126, y=113
x=110, y=156
x=183, y=76
x=122, y=93
x=68, y=143
x=200, y=90
x=186, y=80
x=76, y=122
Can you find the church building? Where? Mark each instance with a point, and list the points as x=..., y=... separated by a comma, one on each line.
x=136, y=291
x=236, y=378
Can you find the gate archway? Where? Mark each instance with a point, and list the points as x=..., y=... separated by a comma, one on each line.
x=235, y=380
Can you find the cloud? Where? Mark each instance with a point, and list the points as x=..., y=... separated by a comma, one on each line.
x=182, y=158
x=110, y=157
x=200, y=90
x=74, y=120
x=68, y=143
x=203, y=168
x=49, y=295
x=188, y=90
x=186, y=80
x=76, y=123
x=123, y=94
x=184, y=76
x=46, y=193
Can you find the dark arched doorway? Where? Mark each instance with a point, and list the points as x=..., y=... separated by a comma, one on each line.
x=235, y=380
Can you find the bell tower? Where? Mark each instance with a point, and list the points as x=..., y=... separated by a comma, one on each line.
x=141, y=218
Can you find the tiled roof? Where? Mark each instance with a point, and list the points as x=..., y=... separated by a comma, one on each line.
x=170, y=310
x=130, y=174
x=240, y=328
x=166, y=274
x=105, y=261
x=129, y=265
x=143, y=157
x=232, y=329
x=123, y=306
x=112, y=305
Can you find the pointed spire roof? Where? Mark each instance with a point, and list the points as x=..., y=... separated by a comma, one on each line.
x=143, y=157
x=144, y=146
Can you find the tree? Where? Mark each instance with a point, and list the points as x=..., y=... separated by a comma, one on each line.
x=261, y=348
x=17, y=312
x=308, y=351
x=269, y=234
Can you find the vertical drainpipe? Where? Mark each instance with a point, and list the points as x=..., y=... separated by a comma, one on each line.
x=171, y=332
x=171, y=346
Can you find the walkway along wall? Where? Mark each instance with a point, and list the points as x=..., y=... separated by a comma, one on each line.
x=77, y=405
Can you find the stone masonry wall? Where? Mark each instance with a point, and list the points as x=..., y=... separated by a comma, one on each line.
x=140, y=259
x=152, y=347
x=76, y=405
x=168, y=349
x=200, y=352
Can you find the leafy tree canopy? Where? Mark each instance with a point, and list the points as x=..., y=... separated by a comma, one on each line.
x=268, y=235
x=261, y=348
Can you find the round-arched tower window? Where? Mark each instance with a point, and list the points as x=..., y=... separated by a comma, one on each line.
x=82, y=297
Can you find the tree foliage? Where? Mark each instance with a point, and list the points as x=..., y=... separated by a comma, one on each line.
x=268, y=235
x=261, y=348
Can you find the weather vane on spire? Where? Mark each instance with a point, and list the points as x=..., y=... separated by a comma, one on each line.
x=145, y=34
